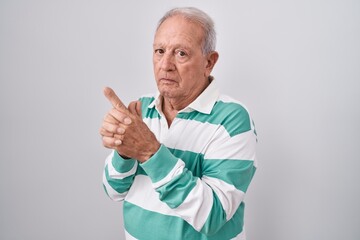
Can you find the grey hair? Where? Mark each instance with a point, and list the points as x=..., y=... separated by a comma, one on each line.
x=199, y=17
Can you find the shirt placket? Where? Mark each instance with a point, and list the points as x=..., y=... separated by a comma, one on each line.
x=164, y=129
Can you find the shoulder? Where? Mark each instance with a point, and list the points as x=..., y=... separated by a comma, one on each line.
x=232, y=114
x=148, y=107
x=227, y=104
x=147, y=99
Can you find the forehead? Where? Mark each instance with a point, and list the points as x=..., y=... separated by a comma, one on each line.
x=178, y=30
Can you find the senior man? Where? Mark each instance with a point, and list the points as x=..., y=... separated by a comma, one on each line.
x=183, y=158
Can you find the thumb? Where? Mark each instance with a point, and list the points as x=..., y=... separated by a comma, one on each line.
x=138, y=108
x=135, y=108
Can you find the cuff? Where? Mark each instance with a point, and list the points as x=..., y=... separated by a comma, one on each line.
x=160, y=164
x=121, y=164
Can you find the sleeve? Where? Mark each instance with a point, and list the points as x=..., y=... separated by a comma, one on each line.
x=207, y=203
x=118, y=175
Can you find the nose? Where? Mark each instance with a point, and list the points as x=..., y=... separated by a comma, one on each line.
x=167, y=62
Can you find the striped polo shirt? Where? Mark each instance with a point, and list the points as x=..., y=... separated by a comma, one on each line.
x=193, y=187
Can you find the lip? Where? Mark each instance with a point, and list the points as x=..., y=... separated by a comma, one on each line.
x=167, y=80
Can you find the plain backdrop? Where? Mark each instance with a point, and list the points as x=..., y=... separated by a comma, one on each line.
x=294, y=64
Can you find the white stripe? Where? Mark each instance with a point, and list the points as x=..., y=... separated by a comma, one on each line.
x=241, y=147
x=177, y=169
x=228, y=99
x=113, y=194
x=196, y=135
x=109, y=158
x=184, y=129
x=128, y=236
x=229, y=196
x=143, y=195
x=154, y=125
x=117, y=175
x=197, y=205
x=222, y=145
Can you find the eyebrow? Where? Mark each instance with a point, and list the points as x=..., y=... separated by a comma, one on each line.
x=175, y=46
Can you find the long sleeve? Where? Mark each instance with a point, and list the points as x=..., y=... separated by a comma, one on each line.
x=118, y=175
x=207, y=201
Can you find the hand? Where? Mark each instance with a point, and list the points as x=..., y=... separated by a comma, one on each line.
x=124, y=130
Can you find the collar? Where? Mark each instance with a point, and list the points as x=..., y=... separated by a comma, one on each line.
x=203, y=103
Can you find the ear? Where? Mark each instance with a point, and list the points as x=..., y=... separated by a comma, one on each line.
x=211, y=58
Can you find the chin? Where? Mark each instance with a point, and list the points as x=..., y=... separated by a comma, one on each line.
x=168, y=93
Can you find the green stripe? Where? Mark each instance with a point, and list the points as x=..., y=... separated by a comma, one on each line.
x=121, y=185
x=253, y=123
x=160, y=164
x=157, y=226
x=216, y=218
x=144, y=224
x=149, y=113
x=122, y=165
x=230, y=229
x=192, y=160
x=235, y=172
x=175, y=192
x=106, y=190
x=140, y=171
x=232, y=116
x=145, y=102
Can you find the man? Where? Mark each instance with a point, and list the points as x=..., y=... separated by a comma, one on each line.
x=182, y=159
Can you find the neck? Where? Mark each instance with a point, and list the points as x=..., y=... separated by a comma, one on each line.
x=171, y=106
x=169, y=111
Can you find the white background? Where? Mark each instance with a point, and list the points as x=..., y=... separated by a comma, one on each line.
x=294, y=64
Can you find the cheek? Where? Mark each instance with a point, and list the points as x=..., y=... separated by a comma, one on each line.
x=155, y=67
x=193, y=71
x=154, y=62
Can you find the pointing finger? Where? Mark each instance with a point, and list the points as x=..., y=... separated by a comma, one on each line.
x=120, y=116
x=114, y=99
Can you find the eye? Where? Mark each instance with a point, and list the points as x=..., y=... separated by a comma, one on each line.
x=159, y=51
x=181, y=53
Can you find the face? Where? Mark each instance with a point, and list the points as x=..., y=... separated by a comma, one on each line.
x=180, y=67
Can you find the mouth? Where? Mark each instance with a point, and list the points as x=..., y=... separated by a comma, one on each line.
x=167, y=80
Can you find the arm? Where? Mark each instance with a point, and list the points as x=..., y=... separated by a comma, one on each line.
x=118, y=176
x=207, y=203
x=123, y=131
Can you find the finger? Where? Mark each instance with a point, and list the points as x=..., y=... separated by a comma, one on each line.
x=111, y=129
x=131, y=107
x=110, y=119
x=105, y=133
x=138, y=108
x=114, y=99
x=108, y=127
x=135, y=108
x=120, y=116
x=108, y=142
x=119, y=135
x=117, y=142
